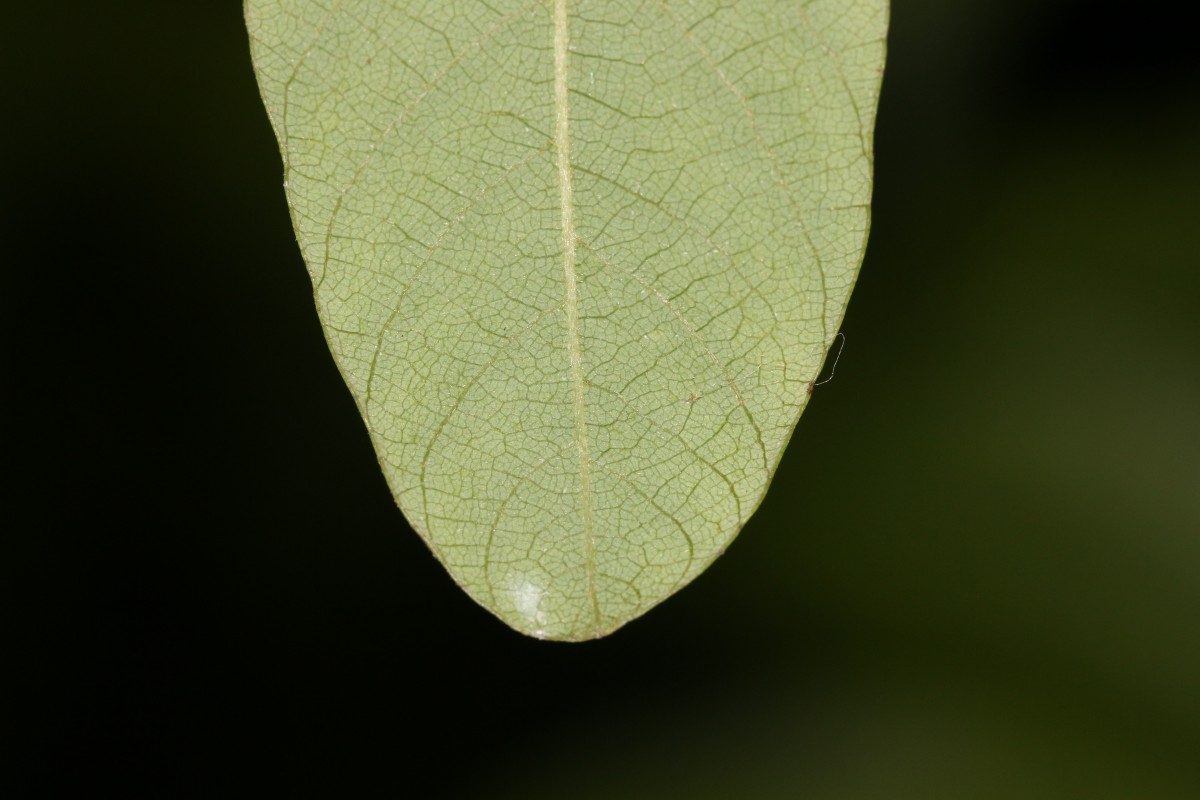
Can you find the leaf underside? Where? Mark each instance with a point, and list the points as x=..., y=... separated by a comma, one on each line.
x=578, y=261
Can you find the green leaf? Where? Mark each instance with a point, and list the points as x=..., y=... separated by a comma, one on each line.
x=579, y=262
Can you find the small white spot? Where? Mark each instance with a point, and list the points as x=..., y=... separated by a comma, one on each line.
x=528, y=599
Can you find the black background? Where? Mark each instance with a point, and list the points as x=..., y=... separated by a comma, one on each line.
x=975, y=576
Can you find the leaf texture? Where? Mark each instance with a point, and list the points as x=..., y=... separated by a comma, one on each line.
x=579, y=262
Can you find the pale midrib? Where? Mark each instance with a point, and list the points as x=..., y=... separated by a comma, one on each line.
x=562, y=143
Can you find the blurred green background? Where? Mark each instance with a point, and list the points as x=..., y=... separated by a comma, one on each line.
x=975, y=575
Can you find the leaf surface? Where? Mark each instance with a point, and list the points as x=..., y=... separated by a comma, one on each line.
x=578, y=262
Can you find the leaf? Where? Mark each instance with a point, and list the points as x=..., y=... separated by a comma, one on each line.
x=579, y=263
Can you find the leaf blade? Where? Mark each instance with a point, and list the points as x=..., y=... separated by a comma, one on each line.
x=578, y=264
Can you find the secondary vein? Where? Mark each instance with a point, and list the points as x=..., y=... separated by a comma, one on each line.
x=562, y=143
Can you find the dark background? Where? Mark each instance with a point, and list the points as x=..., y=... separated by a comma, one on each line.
x=975, y=576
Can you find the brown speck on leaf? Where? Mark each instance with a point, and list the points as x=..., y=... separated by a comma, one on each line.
x=692, y=398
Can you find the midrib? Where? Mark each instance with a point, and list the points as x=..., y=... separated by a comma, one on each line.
x=562, y=144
